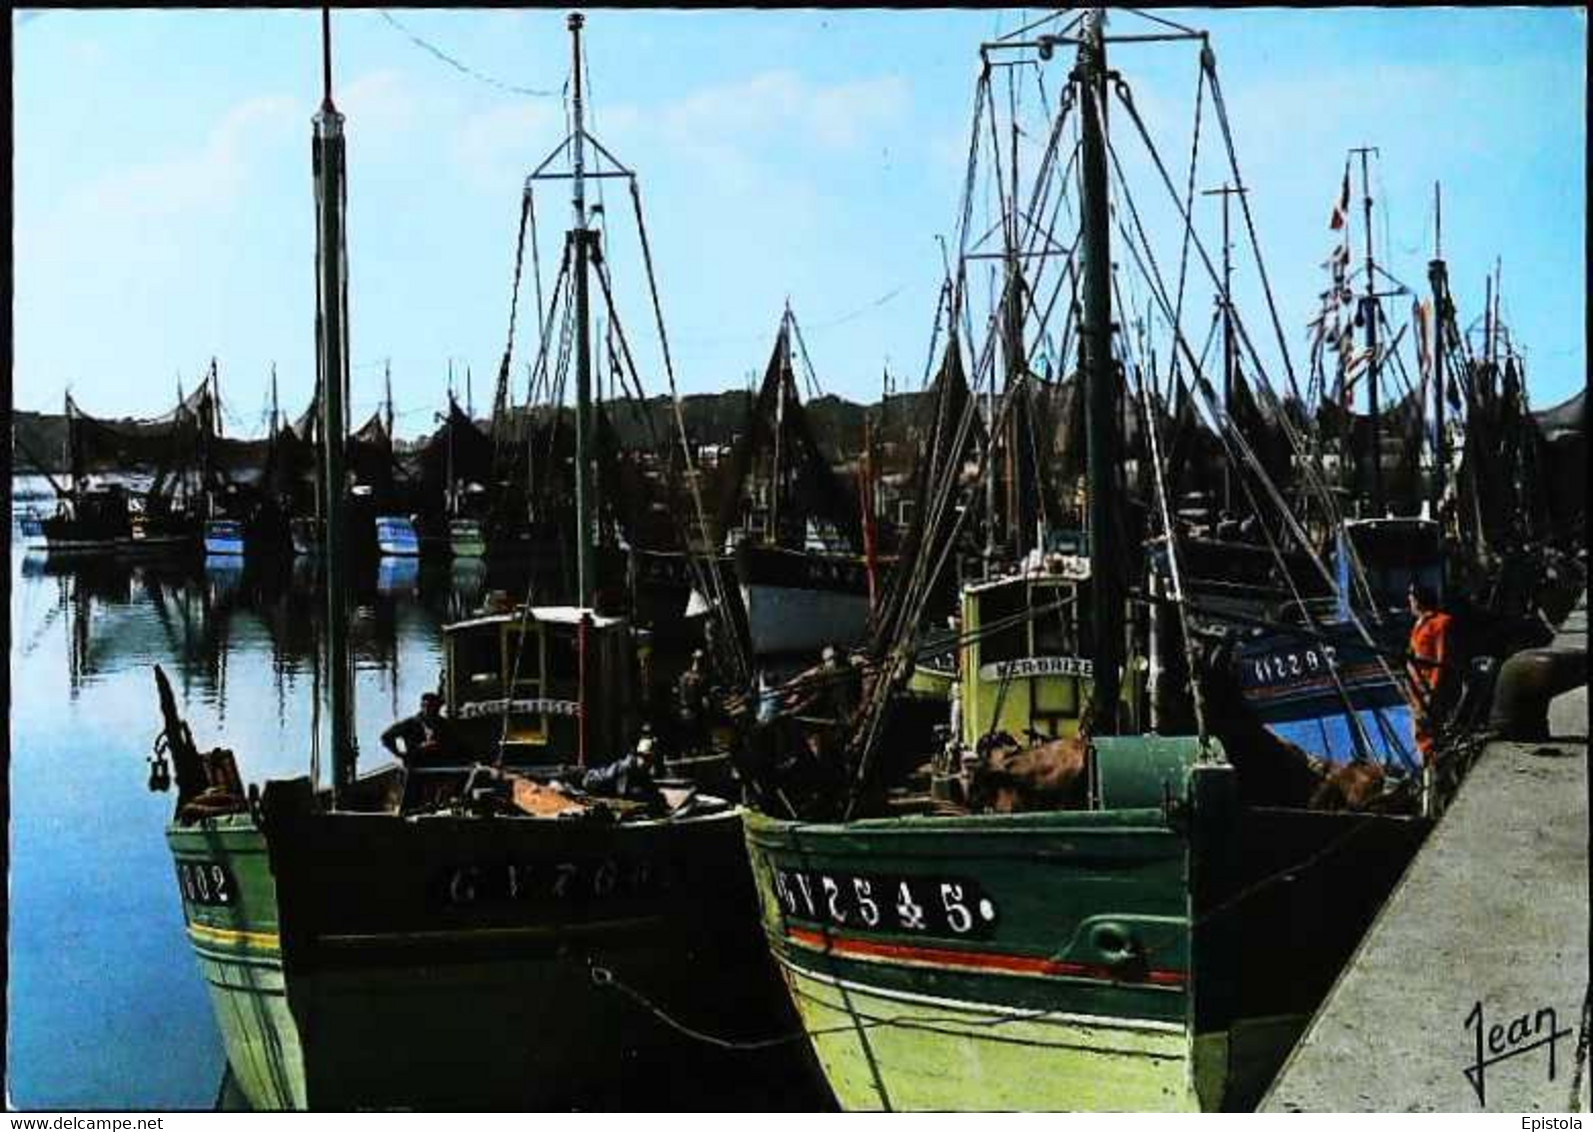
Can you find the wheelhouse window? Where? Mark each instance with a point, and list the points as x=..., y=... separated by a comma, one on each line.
x=477, y=665
x=1003, y=631
x=1057, y=629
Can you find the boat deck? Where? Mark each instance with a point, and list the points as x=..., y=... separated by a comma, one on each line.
x=1446, y=1006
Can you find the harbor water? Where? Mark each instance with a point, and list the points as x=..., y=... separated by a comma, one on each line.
x=107, y=1007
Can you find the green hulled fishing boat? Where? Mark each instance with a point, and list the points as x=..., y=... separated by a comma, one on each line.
x=472, y=934
x=1113, y=894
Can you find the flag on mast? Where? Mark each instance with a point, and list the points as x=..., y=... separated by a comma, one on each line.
x=1341, y=210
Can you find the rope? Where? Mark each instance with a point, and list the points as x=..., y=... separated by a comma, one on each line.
x=1153, y=430
x=814, y=389
x=604, y=977
x=1189, y=201
x=742, y=663
x=461, y=67
x=878, y=709
x=1122, y=92
x=500, y=397
x=1209, y=62
x=536, y=260
x=1234, y=442
x=617, y=328
x=1042, y=21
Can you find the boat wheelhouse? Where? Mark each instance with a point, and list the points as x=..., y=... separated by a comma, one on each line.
x=514, y=681
x=466, y=930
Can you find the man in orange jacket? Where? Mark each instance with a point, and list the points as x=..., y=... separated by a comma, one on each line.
x=1430, y=649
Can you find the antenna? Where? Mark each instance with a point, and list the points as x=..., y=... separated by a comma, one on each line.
x=326, y=59
x=1438, y=221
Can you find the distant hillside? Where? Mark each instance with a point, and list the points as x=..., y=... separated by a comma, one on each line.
x=711, y=418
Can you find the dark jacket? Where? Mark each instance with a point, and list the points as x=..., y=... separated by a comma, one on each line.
x=416, y=732
x=625, y=778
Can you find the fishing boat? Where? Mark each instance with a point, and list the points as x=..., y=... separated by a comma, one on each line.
x=1080, y=912
x=250, y=486
x=225, y=537
x=792, y=527
x=473, y=935
x=1399, y=525
x=87, y=519
x=454, y=467
x=108, y=515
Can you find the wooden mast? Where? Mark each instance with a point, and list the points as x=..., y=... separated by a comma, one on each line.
x=581, y=236
x=331, y=316
x=1100, y=381
x=1438, y=277
x=1369, y=309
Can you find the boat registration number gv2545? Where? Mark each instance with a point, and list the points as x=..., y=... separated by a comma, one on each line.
x=932, y=905
x=206, y=882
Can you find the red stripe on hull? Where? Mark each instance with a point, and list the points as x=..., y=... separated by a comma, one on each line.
x=973, y=960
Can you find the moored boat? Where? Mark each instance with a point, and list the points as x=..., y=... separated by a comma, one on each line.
x=1081, y=911
x=468, y=931
x=396, y=536
x=224, y=537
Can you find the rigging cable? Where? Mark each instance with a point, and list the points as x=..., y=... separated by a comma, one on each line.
x=1153, y=431
x=457, y=65
x=1234, y=440
x=1208, y=60
x=1189, y=200
x=722, y=605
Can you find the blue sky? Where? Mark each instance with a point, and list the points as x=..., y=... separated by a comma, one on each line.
x=163, y=197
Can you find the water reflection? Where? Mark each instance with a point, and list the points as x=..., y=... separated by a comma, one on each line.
x=91, y=877
x=189, y=615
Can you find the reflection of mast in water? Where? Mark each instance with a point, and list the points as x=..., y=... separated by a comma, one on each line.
x=78, y=640
x=467, y=580
x=224, y=578
x=83, y=583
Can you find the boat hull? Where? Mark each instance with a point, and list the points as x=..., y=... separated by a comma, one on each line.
x=230, y=908
x=458, y=963
x=796, y=602
x=1132, y=959
x=1021, y=1012
x=1304, y=690
x=58, y=534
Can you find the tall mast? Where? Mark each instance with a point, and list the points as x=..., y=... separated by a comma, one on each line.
x=209, y=427
x=581, y=238
x=776, y=477
x=1369, y=314
x=331, y=322
x=215, y=397
x=1100, y=413
x=1493, y=339
x=1229, y=355
x=1437, y=276
x=1487, y=332
x=275, y=410
x=1014, y=336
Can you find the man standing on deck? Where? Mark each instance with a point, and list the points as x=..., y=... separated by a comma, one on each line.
x=427, y=735
x=1430, y=653
x=691, y=705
